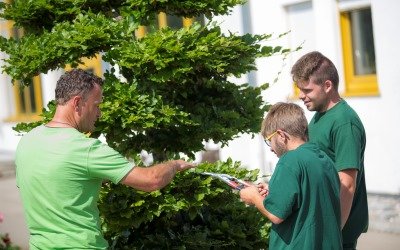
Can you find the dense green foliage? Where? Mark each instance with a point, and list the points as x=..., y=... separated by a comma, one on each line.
x=188, y=70
x=194, y=212
x=65, y=44
x=176, y=92
x=38, y=15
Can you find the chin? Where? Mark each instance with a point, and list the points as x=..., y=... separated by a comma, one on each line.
x=91, y=128
x=307, y=105
x=311, y=108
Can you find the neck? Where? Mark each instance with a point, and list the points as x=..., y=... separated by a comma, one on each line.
x=294, y=143
x=62, y=119
x=60, y=122
x=333, y=101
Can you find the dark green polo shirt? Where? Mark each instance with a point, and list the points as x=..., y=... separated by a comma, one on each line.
x=304, y=192
x=340, y=133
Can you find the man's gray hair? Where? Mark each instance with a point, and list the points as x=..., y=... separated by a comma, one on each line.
x=75, y=82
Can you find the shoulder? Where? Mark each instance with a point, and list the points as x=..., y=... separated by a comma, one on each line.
x=300, y=151
x=306, y=154
x=350, y=116
x=33, y=135
x=97, y=147
x=34, y=131
x=66, y=136
x=345, y=111
x=292, y=159
x=343, y=114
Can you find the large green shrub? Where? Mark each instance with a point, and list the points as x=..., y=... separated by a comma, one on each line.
x=194, y=212
x=176, y=93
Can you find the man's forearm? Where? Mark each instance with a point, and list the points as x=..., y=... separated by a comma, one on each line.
x=151, y=178
x=347, y=189
x=155, y=177
x=166, y=173
x=346, y=200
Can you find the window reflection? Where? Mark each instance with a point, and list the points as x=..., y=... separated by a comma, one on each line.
x=362, y=42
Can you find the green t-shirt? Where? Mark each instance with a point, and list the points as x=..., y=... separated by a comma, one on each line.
x=304, y=192
x=59, y=175
x=340, y=133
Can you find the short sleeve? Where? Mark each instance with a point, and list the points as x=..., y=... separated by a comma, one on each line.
x=284, y=190
x=348, y=147
x=105, y=163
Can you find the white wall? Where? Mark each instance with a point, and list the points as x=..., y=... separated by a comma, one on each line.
x=381, y=114
x=317, y=24
x=8, y=137
x=8, y=140
x=49, y=82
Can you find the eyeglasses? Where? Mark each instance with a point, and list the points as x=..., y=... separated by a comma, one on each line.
x=268, y=139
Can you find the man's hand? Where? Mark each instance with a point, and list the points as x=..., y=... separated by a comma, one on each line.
x=253, y=196
x=181, y=165
x=263, y=189
x=250, y=195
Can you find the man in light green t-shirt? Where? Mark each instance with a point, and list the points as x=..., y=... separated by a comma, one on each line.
x=339, y=132
x=60, y=170
x=302, y=198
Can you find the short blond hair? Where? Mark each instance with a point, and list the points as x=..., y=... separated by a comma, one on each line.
x=288, y=117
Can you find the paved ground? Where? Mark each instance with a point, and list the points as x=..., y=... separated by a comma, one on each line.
x=385, y=209
x=11, y=208
x=374, y=240
x=384, y=214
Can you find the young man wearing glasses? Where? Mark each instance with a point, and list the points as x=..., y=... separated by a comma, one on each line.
x=339, y=132
x=303, y=196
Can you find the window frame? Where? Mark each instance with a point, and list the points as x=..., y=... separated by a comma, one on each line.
x=23, y=112
x=94, y=63
x=162, y=20
x=28, y=114
x=355, y=85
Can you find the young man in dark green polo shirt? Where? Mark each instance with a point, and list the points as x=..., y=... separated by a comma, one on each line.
x=302, y=200
x=338, y=131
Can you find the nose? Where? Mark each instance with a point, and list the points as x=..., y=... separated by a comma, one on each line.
x=301, y=95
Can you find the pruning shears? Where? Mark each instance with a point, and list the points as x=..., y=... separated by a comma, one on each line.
x=233, y=182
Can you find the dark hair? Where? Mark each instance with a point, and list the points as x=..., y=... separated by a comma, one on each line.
x=288, y=117
x=315, y=64
x=75, y=82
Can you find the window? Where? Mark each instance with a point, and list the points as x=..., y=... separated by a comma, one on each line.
x=163, y=20
x=93, y=65
x=28, y=100
x=358, y=53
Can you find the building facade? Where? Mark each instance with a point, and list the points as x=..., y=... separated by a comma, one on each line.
x=359, y=36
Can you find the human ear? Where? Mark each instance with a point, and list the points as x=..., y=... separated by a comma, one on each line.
x=328, y=85
x=76, y=102
x=281, y=133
